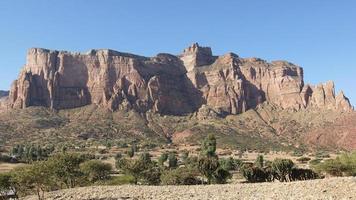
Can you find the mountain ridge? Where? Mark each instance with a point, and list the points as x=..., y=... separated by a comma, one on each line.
x=247, y=102
x=166, y=83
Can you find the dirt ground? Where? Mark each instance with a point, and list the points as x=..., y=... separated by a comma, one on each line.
x=330, y=188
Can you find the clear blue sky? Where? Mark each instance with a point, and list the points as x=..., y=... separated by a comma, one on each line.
x=319, y=35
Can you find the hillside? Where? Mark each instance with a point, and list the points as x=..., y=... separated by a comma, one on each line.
x=265, y=128
x=332, y=188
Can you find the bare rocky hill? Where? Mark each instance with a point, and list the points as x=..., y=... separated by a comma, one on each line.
x=247, y=102
x=331, y=188
x=166, y=84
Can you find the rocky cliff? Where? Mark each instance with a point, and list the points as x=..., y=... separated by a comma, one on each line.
x=195, y=81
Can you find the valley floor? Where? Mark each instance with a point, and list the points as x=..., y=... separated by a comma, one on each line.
x=329, y=188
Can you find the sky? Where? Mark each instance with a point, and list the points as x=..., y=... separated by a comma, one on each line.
x=318, y=35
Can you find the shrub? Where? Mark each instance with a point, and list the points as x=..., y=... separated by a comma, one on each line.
x=221, y=175
x=315, y=161
x=143, y=170
x=95, y=170
x=130, y=153
x=192, y=162
x=344, y=165
x=209, y=145
x=184, y=156
x=103, y=151
x=282, y=169
x=180, y=176
x=172, y=160
x=259, y=161
x=122, y=144
x=254, y=174
x=163, y=158
x=5, y=158
x=145, y=158
x=118, y=156
x=227, y=163
x=207, y=166
x=303, y=159
x=322, y=154
x=7, y=184
x=303, y=174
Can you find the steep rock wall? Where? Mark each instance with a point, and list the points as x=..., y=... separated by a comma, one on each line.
x=166, y=83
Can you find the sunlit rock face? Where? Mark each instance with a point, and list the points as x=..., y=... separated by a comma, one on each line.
x=166, y=84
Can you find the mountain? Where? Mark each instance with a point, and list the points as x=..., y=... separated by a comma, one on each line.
x=166, y=84
x=4, y=93
x=105, y=93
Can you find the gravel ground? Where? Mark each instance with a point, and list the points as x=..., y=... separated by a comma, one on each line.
x=331, y=188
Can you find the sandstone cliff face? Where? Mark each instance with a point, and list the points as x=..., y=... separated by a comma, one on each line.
x=167, y=84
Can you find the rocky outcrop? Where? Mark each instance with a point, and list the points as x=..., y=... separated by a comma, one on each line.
x=167, y=84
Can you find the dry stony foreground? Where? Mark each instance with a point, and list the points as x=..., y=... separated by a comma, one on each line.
x=331, y=188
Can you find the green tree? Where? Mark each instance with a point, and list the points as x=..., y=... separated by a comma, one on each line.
x=66, y=170
x=209, y=145
x=143, y=169
x=130, y=152
x=184, y=156
x=145, y=158
x=37, y=177
x=172, y=160
x=163, y=158
x=207, y=165
x=95, y=170
x=208, y=161
x=259, y=161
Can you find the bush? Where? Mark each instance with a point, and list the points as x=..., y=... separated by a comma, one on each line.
x=254, y=174
x=163, y=158
x=282, y=169
x=227, y=163
x=209, y=145
x=303, y=159
x=207, y=166
x=303, y=174
x=344, y=165
x=322, y=154
x=95, y=170
x=118, y=156
x=172, y=160
x=192, y=162
x=221, y=175
x=184, y=156
x=315, y=161
x=7, y=184
x=259, y=161
x=5, y=158
x=130, y=153
x=180, y=176
x=143, y=170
